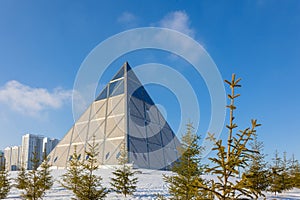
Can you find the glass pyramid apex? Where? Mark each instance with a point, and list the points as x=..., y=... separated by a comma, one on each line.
x=123, y=113
x=116, y=85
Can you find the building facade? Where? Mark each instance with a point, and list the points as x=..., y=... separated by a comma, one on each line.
x=49, y=144
x=15, y=157
x=12, y=158
x=35, y=143
x=123, y=113
x=31, y=143
x=2, y=160
x=7, y=157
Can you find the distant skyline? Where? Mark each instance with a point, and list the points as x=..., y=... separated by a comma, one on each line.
x=43, y=44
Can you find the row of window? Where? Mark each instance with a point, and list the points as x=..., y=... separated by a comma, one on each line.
x=112, y=89
x=87, y=157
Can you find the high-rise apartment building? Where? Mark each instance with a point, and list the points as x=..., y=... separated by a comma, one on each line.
x=7, y=156
x=2, y=160
x=12, y=158
x=49, y=144
x=31, y=143
x=17, y=156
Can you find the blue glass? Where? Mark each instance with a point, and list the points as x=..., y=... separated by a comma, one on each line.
x=103, y=94
x=128, y=66
x=120, y=74
x=142, y=94
x=118, y=155
x=106, y=156
x=138, y=145
x=116, y=88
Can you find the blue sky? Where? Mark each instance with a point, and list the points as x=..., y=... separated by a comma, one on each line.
x=43, y=43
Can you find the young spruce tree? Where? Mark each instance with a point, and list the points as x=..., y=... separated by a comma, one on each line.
x=89, y=186
x=35, y=182
x=230, y=156
x=71, y=179
x=256, y=176
x=124, y=181
x=21, y=178
x=46, y=180
x=184, y=183
x=295, y=172
x=4, y=181
x=280, y=178
x=287, y=182
x=275, y=176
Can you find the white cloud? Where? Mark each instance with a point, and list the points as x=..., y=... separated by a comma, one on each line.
x=32, y=101
x=179, y=21
x=128, y=19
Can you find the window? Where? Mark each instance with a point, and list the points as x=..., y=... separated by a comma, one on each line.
x=107, y=156
x=55, y=159
x=120, y=74
x=142, y=94
x=103, y=94
x=116, y=88
x=118, y=155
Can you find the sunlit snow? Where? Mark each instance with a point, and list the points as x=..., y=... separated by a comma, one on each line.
x=150, y=184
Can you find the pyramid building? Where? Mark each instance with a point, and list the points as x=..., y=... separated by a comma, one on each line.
x=122, y=113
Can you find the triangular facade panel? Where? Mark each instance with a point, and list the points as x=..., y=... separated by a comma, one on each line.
x=123, y=112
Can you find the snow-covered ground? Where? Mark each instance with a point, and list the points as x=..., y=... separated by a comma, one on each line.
x=150, y=183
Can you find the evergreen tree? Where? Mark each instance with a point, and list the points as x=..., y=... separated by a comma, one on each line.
x=4, y=181
x=275, y=177
x=124, y=181
x=280, y=178
x=90, y=187
x=296, y=176
x=45, y=181
x=256, y=176
x=230, y=156
x=21, y=178
x=71, y=179
x=295, y=172
x=287, y=182
x=35, y=182
x=184, y=183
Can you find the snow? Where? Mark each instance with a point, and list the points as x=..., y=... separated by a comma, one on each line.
x=150, y=184
x=289, y=195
